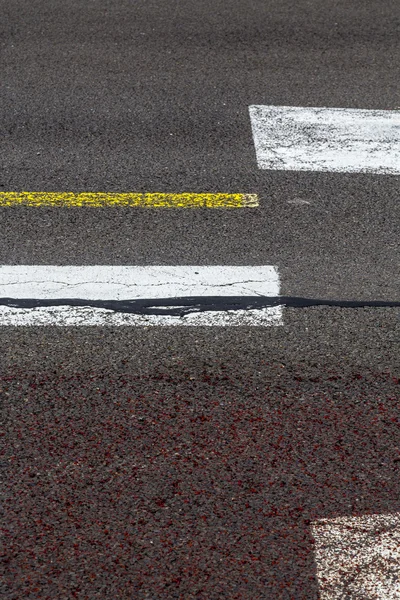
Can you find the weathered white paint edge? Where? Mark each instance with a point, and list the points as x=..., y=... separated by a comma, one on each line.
x=326, y=139
x=101, y=282
x=356, y=557
x=69, y=316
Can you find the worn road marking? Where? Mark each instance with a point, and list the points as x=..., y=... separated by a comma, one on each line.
x=119, y=295
x=105, y=199
x=358, y=557
x=326, y=139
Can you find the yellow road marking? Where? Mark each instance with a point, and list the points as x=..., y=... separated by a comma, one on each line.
x=105, y=199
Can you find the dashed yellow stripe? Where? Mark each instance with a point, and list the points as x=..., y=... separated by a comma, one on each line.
x=101, y=199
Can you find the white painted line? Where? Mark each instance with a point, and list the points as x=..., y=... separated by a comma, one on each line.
x=132, y=282
x=326, y=139
x=119, y=283
x=67, y=316
x=358, y=557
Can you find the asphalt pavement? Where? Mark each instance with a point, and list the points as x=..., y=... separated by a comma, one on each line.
x=191, y=462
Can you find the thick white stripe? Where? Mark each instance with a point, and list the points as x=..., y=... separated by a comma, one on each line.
x=326, y=139
x=358, y=557
x=127, y=282
x=132, y=283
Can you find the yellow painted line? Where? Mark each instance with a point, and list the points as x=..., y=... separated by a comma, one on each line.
x=105, y=199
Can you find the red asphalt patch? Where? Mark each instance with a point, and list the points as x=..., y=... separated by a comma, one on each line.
x=190, y=487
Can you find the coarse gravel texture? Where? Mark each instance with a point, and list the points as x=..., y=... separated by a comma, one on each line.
x=312, y=339
x=153, y=96
x=188, y=485
x=156, y=465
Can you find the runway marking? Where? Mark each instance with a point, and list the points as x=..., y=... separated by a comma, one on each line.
x=358, y=557
x=326, y=139
x=123, y=295
x=110, y=199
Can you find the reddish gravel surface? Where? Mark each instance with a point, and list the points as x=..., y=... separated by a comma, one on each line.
x=187, y=486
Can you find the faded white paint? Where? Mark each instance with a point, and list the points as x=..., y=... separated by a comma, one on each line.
x=68, y=316
x=326, y=139
x=358, y=557
x=131, y=283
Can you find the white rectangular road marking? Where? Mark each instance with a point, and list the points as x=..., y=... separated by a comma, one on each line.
x=118, y=283
x=326, y=139
x=358, y=557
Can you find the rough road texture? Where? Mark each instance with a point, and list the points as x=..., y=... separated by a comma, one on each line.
x=135, y=466
x=201, y=486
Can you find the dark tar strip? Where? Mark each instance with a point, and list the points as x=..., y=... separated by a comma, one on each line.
x=185, y=305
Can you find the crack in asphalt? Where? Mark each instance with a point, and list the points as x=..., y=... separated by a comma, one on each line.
x=181, y=306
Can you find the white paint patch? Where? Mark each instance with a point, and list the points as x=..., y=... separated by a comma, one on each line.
x=358, y=557
x=326, y=139
x=68, y=316
x=298, y=202
x=133, y=283
x=129, y=283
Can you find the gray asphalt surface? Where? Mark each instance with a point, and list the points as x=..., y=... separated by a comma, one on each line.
x=152, y=95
